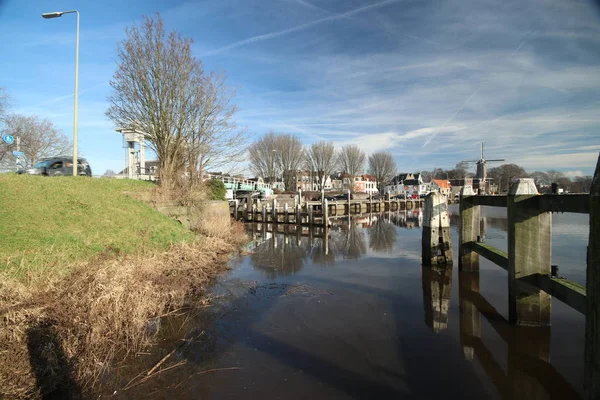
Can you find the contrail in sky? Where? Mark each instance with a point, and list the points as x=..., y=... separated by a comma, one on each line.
x=297, y=28
x=430, y=138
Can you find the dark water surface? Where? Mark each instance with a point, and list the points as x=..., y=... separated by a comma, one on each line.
x=356, y=316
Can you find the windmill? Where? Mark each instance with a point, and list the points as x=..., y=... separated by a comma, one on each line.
x=481, y=174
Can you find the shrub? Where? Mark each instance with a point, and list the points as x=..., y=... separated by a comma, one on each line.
x=216, y=189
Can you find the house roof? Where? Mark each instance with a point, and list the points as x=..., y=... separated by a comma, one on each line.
x=442, y=184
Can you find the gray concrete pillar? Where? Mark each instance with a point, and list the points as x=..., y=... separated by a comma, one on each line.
x=529, y=253
x=468, y=230
x=436, y=241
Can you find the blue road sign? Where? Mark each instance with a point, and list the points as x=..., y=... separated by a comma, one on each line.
x=8, y=139
x=18, y=153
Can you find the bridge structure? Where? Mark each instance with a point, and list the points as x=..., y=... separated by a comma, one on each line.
x=234, y=183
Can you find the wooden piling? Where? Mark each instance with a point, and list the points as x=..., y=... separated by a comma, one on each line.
x=529, y=253
x=311, y=221
x=286, y=214
x=298, y=214
x=468, y=231
x=274, y=218
x=349, y=201
x=592, y=319
x=436, y=241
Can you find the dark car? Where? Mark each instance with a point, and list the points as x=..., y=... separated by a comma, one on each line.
x=344, y=196
x=399, y=196
x=57, y=166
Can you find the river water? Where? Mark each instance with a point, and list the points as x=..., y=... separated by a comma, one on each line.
x=357, y=316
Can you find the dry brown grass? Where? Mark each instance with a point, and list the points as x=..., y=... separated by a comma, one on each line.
x=70, y=331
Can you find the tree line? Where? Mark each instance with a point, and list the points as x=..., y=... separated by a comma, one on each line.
x=38, y=137
x=280, y=156
x=505, y=173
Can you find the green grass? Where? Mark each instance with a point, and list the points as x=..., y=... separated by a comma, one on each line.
x=54, y=223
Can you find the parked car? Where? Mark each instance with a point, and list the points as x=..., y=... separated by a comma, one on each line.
x=56, y=166
x=344, y=197
x=399, y=196
x=414, y=196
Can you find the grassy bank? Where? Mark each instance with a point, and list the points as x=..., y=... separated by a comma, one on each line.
x=84, y=267
x=57, y=223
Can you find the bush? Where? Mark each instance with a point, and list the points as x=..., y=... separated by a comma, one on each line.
x=216, y=189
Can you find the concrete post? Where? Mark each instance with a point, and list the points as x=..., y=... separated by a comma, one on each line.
x=298, y=214
x=468, y=230
x=592, y=319
x=436, y=242
x=274, y=212
x=349, y=201
x=529, y=253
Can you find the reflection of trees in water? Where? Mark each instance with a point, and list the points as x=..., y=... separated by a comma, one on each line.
x=322, y=252
x=382, y=236
x=351, y=242
x=278, y=256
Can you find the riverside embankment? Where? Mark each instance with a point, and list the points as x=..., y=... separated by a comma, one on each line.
x=86, y=268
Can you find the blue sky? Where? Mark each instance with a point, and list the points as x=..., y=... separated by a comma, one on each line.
x=426, y=80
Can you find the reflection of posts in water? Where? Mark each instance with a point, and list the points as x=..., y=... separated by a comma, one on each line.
x=436, y=241
x=592, y=323
x=468, y=231
x=470, y=320
x=529, y=253
x=437, y=285
x=530, y=345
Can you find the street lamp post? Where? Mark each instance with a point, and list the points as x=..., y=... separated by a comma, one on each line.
x=57, y=15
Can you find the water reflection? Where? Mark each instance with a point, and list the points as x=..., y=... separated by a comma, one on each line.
x=437, y=285
x=382, y=236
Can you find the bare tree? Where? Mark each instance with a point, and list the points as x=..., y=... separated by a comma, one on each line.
x=383, y=167
x=38, y=137
x=3, y=104
x=215, y=139
x=263, y=157
x=554, y=176
x=540, y=178
x=289, y=155
x=321, y=160
x=352, y=160
x=505, y=173
x=161, y=90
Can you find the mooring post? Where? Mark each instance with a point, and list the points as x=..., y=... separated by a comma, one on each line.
x=349, y=201
x=592, y=318
x=286, y=214
x=436, y=242
x=309, y=209
x=468, y=230
x=529, y=253
x=371, y=203
x=274, y=218
x=298, y=215
x=264, y=212
x=325, y=207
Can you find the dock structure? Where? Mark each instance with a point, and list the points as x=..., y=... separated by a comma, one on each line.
x=317, y=213
x=531, y=286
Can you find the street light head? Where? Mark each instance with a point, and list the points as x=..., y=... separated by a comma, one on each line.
x=52, y=15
